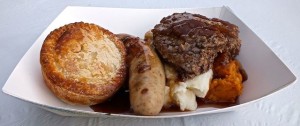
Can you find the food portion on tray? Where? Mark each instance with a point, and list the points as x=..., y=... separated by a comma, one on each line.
x=185, y=61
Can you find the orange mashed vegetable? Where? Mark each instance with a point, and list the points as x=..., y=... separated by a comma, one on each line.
x=226, y=84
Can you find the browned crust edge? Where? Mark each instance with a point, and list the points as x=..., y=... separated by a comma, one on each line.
x=76, y=92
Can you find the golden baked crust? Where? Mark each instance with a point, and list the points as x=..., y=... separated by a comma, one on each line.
x=83, y=63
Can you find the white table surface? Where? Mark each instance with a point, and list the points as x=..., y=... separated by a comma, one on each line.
x=277, y=22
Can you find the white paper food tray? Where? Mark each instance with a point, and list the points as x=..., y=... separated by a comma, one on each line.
x=267, y=73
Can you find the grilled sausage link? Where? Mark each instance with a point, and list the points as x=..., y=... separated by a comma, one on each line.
x=146, y=76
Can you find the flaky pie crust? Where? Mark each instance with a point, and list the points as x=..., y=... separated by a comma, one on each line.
x=72, y=68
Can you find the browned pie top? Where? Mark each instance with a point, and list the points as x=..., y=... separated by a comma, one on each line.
x=83, y=58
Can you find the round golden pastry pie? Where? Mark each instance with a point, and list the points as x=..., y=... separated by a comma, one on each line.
x=83, y=63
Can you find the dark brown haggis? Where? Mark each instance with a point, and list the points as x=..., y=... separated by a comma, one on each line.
x=191, y=42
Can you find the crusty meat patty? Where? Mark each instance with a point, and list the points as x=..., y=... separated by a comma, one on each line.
x=190, y=42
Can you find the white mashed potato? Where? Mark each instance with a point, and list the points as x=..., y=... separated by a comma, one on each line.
x=183, y=94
